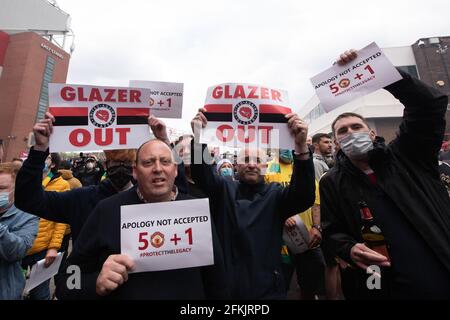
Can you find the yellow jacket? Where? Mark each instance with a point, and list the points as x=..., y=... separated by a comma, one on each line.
x=281, y=173
x=50, y=234
x=68, y=176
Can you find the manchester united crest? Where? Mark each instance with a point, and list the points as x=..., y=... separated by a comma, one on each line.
x=157, y=239
x=344, y=83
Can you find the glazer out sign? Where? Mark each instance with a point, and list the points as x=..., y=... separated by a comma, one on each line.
x=56, y=53
x=104, y=123
x=245, y=113
x=82, y=137
x=252, y=112
x=101, y=116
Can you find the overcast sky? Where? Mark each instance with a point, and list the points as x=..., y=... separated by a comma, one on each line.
x=280, y=44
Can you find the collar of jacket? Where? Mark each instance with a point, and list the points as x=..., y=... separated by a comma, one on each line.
x=318, y=157
x=49, y=178
x=141, y=197
x=55, y=176
x=10, y=212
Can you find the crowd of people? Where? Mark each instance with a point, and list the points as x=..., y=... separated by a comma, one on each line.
x=373, y=212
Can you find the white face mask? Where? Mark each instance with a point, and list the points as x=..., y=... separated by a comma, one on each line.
x=356, y=145
x=90, y=165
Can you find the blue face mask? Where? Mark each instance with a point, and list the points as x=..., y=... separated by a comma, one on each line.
x=46, y=168
x=286, y=156
x=226, y=172
x=4, y=201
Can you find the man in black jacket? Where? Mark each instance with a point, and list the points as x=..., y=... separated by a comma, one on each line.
x=71, y=207
x=249, y=214
x=105, y=271
x=400, y=185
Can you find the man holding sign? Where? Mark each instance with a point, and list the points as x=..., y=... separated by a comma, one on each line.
x=341, y=84
x=391, y=194
x=71, y=207
x=249, y=214
x=105, y=270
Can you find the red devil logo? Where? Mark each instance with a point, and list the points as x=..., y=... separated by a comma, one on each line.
x=245, y=112
x=102, y=115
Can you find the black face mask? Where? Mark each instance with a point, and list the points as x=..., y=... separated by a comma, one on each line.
x=120, y=175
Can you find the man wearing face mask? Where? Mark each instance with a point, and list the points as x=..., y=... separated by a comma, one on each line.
x=397, y=189
x=70, y=207
x=17, y=233
x=225, y=169
x=92, y=172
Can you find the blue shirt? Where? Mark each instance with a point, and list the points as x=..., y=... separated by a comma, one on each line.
x=18, y=230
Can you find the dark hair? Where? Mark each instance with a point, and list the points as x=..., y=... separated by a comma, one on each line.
x=347, y=115
x=65, y=165
x=316, y=138
x=56, y=160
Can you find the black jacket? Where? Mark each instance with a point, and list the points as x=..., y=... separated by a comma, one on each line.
x=71, y=207
x=100, y=238
x=90, y=178
x=407, y=175
x=249, y=221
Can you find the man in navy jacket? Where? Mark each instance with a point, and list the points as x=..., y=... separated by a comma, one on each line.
x=249, y=214
x=105, y=271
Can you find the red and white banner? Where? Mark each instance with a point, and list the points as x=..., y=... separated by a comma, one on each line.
x=167, y=235
x=101, y=118
x=245, y=115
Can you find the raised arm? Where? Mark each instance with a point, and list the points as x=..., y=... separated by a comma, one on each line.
x=29, y=194
x=202, y=172
x=159, y=130
x=423, y=125
x=299, y=196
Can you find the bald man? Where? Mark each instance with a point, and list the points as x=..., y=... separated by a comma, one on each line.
x=105, y=271
x=249, y=215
